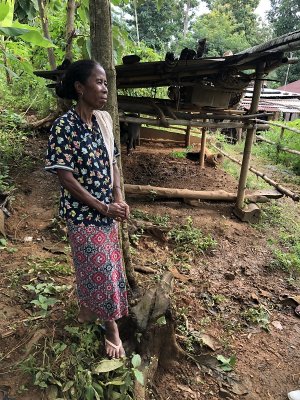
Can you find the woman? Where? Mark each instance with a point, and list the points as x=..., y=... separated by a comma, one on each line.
x=81, y=151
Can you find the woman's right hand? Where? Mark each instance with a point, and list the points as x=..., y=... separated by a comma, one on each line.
x=116, y=211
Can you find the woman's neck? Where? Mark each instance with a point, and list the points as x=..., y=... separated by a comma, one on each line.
x=85, y=113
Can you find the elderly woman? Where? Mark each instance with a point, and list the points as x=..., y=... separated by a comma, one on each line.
x=81, y=151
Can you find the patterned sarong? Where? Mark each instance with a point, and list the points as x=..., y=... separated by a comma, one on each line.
x=99, y=272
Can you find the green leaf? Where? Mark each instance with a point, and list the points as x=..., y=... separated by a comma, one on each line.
x=115, y=395
x=10, y=31
x=3, y=242
x=4, y=10
x=139, y=376
x=34, y=37
x=116, y=382
x=159, y=4
x=108, y=365
x=161, y=320
x=7, y=11
x=89, y=393
x=68, y=386
x=136, y=360
x=227, y=364
x=98, y=388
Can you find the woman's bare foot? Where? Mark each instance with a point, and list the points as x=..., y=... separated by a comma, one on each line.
x=113, y=344
x=86, y=315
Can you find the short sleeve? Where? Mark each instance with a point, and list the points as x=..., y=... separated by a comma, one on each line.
x=60, y=151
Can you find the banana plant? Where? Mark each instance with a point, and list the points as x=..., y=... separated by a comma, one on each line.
x=11, y=28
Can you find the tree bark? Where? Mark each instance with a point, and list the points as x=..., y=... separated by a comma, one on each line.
x=102, y=51
x=46, y=33
x=71, y=8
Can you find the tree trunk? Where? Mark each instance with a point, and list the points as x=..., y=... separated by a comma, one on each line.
x=102, y=51
x=71, y=8
x=5, y=63
x=136, y=23
x=46, y=33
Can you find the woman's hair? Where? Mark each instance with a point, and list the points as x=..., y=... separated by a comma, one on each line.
x=77, y=71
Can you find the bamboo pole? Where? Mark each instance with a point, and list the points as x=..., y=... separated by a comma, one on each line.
x=286, y=149
x=279, y=125
x=271, y=182
x=203, y=146
x=249, y=137
x=188, y=136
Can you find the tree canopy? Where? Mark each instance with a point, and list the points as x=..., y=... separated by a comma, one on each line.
x=284, y=17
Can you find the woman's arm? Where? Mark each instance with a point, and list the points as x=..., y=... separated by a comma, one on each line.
x=67, y=180
x=117, y=191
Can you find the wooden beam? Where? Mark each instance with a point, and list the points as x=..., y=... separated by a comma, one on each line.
x=174, y=122
x=189, y=195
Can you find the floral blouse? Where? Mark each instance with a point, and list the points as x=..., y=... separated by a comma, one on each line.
x=75, y=147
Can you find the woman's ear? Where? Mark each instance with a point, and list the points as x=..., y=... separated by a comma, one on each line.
x=79, y=88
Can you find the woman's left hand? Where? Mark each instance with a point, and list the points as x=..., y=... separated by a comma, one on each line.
x=126, y=207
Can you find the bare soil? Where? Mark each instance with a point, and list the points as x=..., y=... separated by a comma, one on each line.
x=210, y=296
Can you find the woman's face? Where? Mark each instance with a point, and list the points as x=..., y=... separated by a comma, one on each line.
x=94, y=91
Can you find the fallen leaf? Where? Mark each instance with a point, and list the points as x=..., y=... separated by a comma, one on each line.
x=277, y=325
x=208, y=341
x=178, y=275
x=54, y=249
x=264, y=293
x=185, y=389
x=254, y=297
x=238, y=388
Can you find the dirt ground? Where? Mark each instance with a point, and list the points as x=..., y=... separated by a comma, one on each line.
x=219, y=286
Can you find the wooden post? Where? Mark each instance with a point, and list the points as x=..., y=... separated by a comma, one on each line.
x=203, y=145
x=249, y=138
x=282, y=132
x=188, y=136
x=239, y=132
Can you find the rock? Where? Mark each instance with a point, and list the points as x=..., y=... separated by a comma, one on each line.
x=230, y=276
x=224, y=394
x=277, y=325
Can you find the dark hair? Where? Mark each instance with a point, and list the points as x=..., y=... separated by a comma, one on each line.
x=77, y=71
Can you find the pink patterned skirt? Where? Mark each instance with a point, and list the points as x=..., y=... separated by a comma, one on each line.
x=100, y=275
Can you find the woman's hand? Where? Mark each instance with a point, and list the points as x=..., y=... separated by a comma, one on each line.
x=127, y=210
x=118, y=211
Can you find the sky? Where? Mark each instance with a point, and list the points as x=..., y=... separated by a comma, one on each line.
x=264, y=6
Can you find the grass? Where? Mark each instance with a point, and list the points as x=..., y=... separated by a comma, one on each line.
x=161, y=220
x=281, y=221
x=188, y=239
x=257, y=316
x=50, y=266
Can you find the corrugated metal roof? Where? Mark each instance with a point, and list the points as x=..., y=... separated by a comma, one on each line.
x=292, y=87
x=282, y=105
x=273, y=93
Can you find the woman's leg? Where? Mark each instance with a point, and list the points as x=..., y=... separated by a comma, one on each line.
x=86, y=315
x=112, y=336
